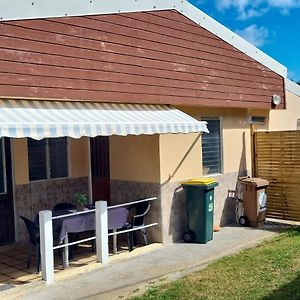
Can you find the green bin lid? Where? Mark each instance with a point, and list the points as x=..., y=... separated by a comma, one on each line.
x=199, y=181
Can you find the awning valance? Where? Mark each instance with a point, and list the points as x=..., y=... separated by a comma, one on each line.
x=41, y=119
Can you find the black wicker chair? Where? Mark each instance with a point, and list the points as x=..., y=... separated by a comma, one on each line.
x=63, y=206
x=34, y=241
x=140, y=211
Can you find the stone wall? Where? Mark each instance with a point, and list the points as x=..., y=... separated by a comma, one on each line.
x=127, y=191
x=224, y=212
x=169, y=210
x=42, y=195
x=173, y=206
x=174, y=214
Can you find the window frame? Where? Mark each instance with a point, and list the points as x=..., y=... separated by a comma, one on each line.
x=220, y=119
x=48, y=162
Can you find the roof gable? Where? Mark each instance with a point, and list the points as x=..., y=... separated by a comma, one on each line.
x=18, y=10
x=141, y=57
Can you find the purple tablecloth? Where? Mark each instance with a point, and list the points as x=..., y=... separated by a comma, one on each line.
x=117, y=218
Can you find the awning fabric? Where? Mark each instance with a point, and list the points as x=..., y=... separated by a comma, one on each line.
x=41, y=119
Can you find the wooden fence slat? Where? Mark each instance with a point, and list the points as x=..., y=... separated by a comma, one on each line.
x=277, y=159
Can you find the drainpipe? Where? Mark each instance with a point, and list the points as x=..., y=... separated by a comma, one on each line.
x=253, y=154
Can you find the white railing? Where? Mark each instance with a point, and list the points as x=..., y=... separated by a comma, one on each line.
x=101, y=228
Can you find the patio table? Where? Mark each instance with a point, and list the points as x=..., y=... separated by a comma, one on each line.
x=117, y=218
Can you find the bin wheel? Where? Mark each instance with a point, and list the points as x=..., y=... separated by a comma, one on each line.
x=243, y=221
x=189, y=236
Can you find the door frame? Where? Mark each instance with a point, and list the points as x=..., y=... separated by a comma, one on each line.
x=90, y=183
x=12, y=183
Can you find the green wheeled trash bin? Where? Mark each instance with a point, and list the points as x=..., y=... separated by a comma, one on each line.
x=199, y=193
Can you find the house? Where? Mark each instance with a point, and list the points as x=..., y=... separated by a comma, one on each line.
x=146, y=70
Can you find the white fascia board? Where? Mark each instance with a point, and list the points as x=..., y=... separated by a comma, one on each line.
x=37, y=9
x=292, y=87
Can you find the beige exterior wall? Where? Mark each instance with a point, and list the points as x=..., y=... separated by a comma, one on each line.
x=286, y=119
x=236, y=129
x=235, y=133
x=180, y=157
x=20, y=161
x=236, y=154
x=155, y=159
x=236, y=143
x=135, y=158
x=79, y=157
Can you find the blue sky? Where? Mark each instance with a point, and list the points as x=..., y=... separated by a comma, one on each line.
x=271, y=25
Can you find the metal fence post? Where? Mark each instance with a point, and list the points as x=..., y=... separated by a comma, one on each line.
x=46, y=245
x=101, y=232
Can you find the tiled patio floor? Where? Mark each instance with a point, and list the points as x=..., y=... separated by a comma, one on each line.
x=13, y=264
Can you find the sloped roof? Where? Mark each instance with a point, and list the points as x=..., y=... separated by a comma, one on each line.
x=18, y=10
x=292, y=87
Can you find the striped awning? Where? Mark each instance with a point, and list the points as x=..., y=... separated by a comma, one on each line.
x=41, y=119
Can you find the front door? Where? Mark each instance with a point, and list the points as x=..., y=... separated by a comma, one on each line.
x=100, y=168
x=7, y=228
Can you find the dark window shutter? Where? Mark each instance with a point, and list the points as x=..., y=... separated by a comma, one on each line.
x=211, y=147
x=2, y=174
x=37, y=159
x=58, y=157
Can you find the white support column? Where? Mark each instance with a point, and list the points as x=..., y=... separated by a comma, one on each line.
x=101, y=232
x=46, y=244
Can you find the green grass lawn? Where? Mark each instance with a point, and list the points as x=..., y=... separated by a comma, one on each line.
x=269, y=271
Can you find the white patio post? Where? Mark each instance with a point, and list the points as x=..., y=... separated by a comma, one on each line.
x=101, y=232
x=46, y=244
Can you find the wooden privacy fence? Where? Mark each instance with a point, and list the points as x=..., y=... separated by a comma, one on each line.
x=277, y=159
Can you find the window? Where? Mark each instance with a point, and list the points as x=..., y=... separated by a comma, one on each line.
x=48, y=158
x=2, y=168
x=211, y=147
x=257, y=120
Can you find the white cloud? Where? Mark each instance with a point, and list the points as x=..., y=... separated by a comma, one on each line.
x=254, y=8
x=255, y=35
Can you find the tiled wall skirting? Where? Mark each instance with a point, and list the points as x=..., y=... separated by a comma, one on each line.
x=224, y=202
x=170, y=208
x=40, y=195
x=127, y=191
x=174, y=216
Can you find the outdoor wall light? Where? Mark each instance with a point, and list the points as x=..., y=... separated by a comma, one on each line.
x=276, y=99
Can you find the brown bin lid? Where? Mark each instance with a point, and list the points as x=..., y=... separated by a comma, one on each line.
x=255, y=181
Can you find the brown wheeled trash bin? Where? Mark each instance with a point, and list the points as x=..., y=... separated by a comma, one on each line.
x=254, y=201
